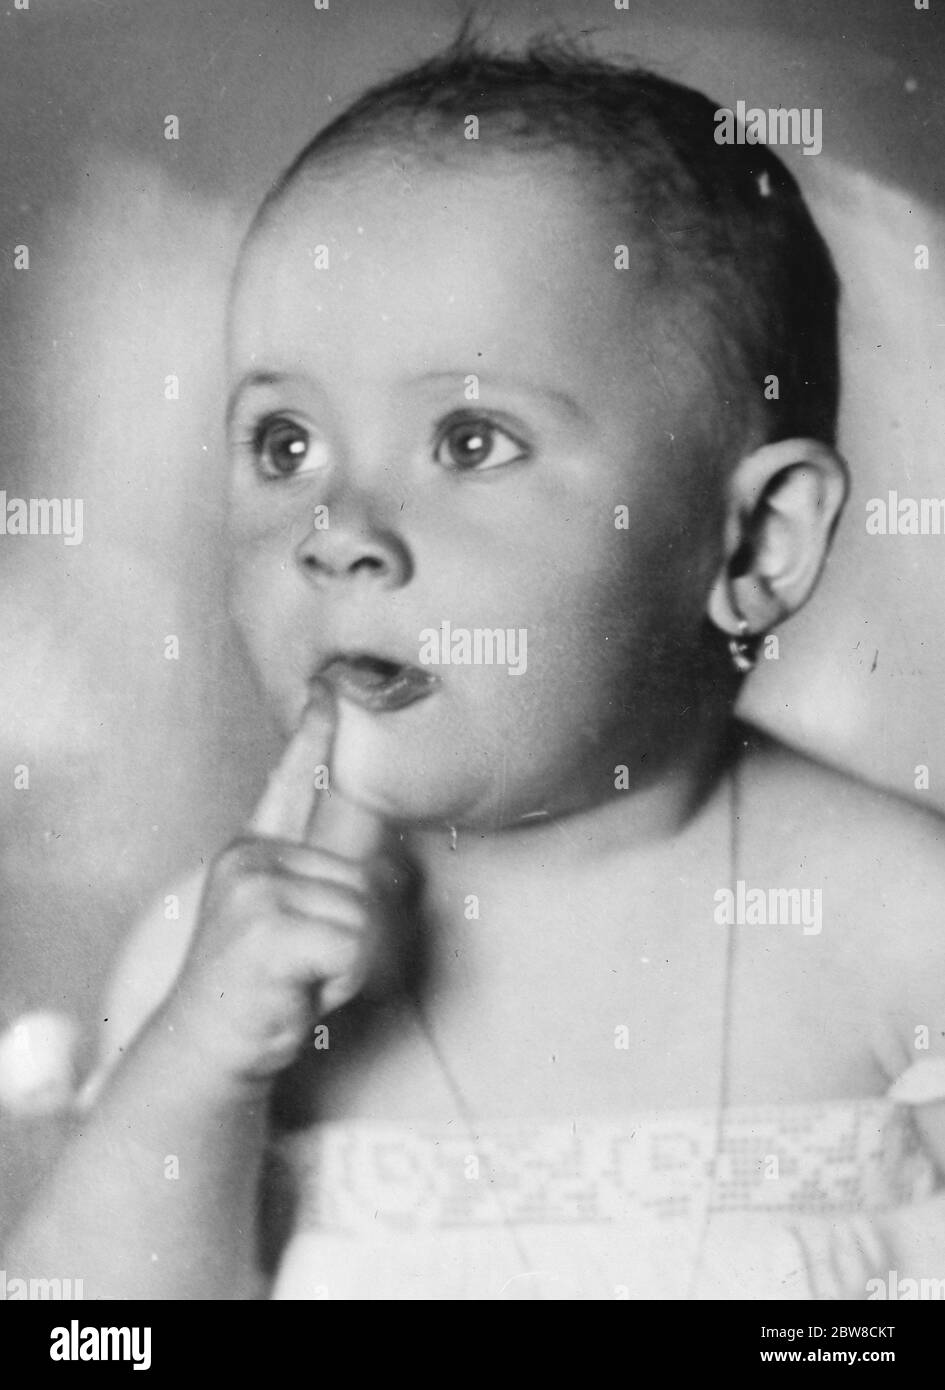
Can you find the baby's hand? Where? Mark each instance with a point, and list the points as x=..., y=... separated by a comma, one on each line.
x=288, y=919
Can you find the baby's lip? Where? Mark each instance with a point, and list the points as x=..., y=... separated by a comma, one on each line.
x=376, y=683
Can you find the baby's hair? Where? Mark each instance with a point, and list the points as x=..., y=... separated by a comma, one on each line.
x=728, y=223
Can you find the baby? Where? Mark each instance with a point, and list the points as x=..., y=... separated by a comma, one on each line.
x=536, y=974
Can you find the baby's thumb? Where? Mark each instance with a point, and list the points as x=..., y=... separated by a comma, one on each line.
x=292, y=796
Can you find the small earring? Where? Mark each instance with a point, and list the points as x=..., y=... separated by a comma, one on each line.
x=741, y=649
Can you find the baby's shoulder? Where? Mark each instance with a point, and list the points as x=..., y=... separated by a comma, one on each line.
x=879, y=859
x=850, y=814
x=854, y=832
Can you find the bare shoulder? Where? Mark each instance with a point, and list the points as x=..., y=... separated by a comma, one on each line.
x=879, y=859
x=852, y=816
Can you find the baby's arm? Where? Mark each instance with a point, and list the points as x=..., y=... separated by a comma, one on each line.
x=113, y=1217
x=281, y=939
x=910, y=1050
x=914, y=1235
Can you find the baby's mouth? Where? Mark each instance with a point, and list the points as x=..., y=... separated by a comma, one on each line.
x=375, y=683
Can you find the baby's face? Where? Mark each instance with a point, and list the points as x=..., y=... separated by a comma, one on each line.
x=443, y=392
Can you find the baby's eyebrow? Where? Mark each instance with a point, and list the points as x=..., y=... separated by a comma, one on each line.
x=562, y=399
x=526, y=386
x=252, y=379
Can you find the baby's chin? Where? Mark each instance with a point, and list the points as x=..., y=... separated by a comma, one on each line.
x=414, y=771
x=405, y=795
x=425, y=806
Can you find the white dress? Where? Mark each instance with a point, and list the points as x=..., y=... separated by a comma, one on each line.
x=604, y=1210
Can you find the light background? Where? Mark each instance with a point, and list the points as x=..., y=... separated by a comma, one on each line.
x=139, y=766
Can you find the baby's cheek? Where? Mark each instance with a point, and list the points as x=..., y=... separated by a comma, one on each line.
x=264, y=603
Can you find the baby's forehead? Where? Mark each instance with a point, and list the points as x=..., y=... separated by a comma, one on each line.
x=532, y=221
x=497, y=253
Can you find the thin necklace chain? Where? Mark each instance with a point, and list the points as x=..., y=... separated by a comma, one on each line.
x=469, y=1120
x=722, y=1101
x=728, y=980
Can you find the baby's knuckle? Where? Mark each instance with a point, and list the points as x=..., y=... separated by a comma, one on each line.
x=250, y=896
x=261, y=942
x=356, y=921
x=242, y=855
x=361, y=882
x=352, y=952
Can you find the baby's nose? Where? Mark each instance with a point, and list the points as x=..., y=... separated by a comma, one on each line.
x=337, y=548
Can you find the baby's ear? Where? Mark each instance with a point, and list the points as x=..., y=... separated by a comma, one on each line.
x=784, y=502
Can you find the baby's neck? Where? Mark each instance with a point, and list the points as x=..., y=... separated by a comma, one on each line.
x=650, y=833
x=640, y=811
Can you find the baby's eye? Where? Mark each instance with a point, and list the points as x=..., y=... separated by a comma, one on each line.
x=281, y=447
x=474, y=444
